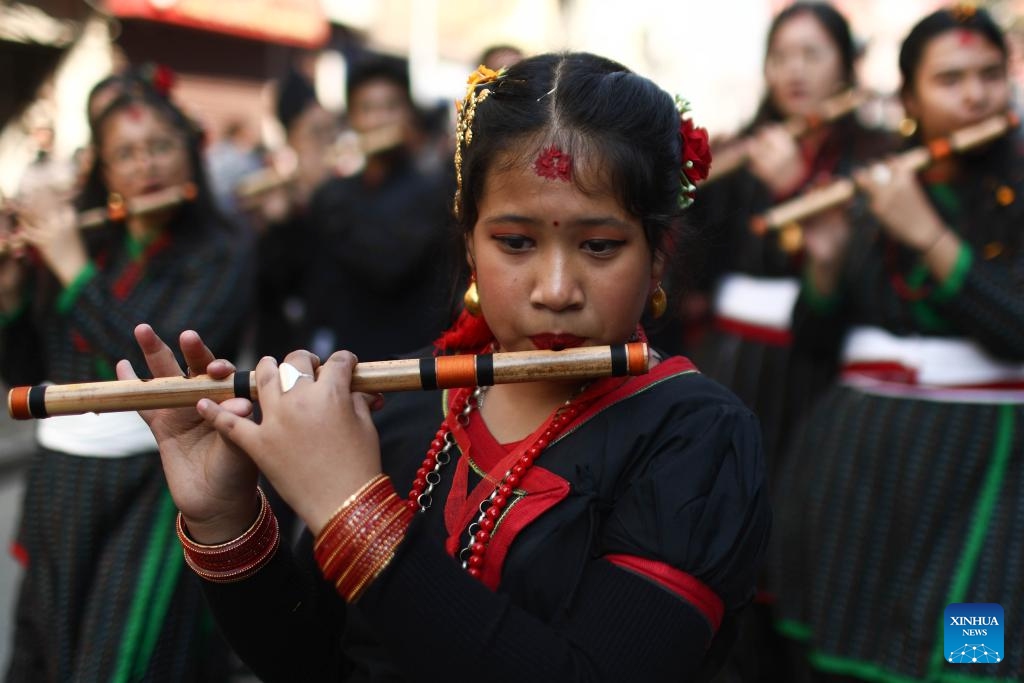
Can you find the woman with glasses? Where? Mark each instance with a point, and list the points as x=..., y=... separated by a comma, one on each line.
x=104, y=596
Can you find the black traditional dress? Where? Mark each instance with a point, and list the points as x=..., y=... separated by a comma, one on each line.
x=905, y=487
x=633, y=538
x=753, y=283
x=104, y=597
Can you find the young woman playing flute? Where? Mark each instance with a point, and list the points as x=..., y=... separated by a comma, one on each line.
x=603, y=530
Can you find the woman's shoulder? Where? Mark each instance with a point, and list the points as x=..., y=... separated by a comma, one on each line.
x=672, y=410
x=869, y=142
x=675, y=384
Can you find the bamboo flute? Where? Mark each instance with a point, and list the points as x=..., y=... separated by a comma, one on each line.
x=117, y=210
x=442, y=372
x=842, y=190
x=139, y=206
x=265, y=180
x=734, y=155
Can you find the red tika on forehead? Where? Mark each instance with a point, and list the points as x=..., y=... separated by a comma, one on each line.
x=133, y=111
x=553, y=164
x=966, y=37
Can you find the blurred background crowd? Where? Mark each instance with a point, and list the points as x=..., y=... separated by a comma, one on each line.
x=305, y=113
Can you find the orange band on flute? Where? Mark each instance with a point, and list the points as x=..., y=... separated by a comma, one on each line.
x=17, y=403
x=636, y=358
x=455, y=371
x=940, y=149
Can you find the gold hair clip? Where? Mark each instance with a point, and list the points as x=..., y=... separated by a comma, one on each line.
x=964, y=11
x=466, y=112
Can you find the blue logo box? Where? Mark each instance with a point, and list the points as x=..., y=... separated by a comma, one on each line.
x=974, y=633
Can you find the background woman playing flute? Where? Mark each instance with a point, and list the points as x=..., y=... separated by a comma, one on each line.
x=904, y=489
x=752, y=280
x=748, y=290
x=607, y=530
x=104, y=596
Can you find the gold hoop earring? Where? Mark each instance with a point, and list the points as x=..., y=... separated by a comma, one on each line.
x=659, y=302
x=471, y=299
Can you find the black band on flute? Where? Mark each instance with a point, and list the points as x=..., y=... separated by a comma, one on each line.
x=620, y=360
x=242, y=387
x=428, y=373
x=485, y=370
x=37, y=401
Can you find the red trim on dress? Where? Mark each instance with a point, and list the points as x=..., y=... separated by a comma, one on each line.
x=676, y=581
x=540, y=489
x=132, y=274
x=887, y=371
x=19, y=553
x=897, y=373
x=757, y=333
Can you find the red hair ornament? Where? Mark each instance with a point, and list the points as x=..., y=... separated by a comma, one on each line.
x=695, y=157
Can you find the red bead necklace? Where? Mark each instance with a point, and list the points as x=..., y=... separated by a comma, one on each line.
x=439, y=455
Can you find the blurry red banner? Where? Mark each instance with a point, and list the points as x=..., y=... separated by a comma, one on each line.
x=295, y=22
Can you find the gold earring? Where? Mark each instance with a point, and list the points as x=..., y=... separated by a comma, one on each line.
x=659, y=302
x=116, y=210
x=471, y=299
x=907, y=126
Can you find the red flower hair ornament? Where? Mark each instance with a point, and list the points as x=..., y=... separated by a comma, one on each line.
x=695, y=161
x=159, y=77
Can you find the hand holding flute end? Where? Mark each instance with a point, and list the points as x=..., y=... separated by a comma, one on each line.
x=212, y=455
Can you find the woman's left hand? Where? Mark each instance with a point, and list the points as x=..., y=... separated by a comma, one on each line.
x=898, y=200
x=316, y=443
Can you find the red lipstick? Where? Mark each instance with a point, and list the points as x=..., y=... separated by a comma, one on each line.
x=556, y=342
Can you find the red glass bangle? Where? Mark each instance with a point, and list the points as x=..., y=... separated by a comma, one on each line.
x=375, y=563
x=238, y=558
x=377, y=485
x=360, y=539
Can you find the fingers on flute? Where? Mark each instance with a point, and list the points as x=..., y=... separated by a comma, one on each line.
x=124, y=370
x=234, y=428
x=200, y=359
x=365, y=404
x=268, y=380
x=338, y=369
x=304, y=361
x=241, y=407
x=159, y=357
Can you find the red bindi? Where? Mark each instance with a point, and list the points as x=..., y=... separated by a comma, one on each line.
x=553, y=164
x=554, y=223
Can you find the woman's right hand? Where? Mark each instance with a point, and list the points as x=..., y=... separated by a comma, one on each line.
x=12, y=266
x=12, y=280
x=826, y=236
x=775, y=158
x=212, y=482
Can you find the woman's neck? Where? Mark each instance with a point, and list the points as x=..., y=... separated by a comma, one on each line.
x=941, y=171
x=812, y=141
x=513, y=411
x=143, y=229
